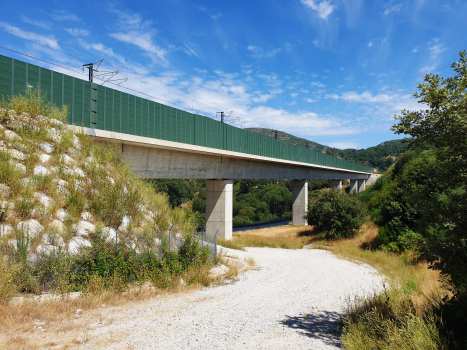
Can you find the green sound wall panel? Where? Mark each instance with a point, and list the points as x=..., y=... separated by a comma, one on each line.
x=121, y=112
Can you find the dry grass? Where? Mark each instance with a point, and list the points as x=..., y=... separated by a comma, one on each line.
x=288, y=237
x=33, y=324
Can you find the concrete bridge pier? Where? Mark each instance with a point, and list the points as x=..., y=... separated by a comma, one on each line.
x=361, y=185
x=353, y=186
x=219, y=208
x=299, y=202
x=336, y=184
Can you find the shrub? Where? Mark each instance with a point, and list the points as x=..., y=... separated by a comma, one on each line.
x=336, y=213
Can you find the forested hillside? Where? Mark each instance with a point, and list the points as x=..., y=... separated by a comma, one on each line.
x=381, y=156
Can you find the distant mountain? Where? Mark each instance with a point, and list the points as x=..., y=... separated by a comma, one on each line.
x=380, y=157
x=289, y=138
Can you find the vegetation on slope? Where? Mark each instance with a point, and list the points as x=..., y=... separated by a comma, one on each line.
x=64, y=195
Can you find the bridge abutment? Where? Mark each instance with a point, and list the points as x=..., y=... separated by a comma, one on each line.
x=219, y=208
x=299, y=202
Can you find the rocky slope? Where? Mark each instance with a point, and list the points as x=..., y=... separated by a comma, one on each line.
x=58, y=187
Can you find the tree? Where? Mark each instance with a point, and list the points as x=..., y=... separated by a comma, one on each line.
x=443, y=126
x=336, y=213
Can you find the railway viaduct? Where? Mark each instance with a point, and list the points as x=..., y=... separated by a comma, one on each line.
x=160, y=141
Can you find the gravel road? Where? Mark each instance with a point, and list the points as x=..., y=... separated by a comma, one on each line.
x=292, y=301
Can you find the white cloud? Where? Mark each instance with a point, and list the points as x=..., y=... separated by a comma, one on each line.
x=370, y=44
x=144, y=41
x=309, y=100
x=216, y=16
x=343, y=145
x=436, y=49
x=323, y=8
x=39, y=24
x=30, y=36
x=77, y=32
x=294, y=94
x=415, y=49
x=259, y=52
x=304, y=91
x=395, y=8
x=316, y=83
x=428, y=69
x=62, y=15
x=316, y=42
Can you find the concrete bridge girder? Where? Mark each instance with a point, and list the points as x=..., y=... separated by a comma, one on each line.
x=159, y=159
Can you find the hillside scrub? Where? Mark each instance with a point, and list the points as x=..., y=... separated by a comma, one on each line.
x=64, y=195
x=420, y=206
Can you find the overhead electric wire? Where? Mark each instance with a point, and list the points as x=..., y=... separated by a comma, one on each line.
x=168, y=88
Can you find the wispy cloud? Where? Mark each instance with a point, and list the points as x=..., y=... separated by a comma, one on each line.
x=395, y=8
x=259, y=52
x=63, y=15
x=415, y=49
x=436, y=48
x=138, y=32
x=77, y=32
x=323, y=8
x=39, y=24
x=216, y=16
x=30, y=36
x=294, y=94
x=343, y=145
x=309, y=100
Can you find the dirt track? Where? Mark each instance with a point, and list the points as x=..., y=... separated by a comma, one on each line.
x=292, y=301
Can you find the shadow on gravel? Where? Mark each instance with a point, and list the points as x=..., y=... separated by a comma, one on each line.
x=323, y=325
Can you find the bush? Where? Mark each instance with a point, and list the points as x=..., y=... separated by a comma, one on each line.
x=336, y=213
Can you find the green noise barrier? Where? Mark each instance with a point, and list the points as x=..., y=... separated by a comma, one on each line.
x=99, y=107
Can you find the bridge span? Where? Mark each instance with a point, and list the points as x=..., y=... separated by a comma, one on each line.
x=160, y=141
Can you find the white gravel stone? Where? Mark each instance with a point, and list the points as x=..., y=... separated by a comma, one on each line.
x=44, y=158
x=76, y=143
x=58, y=226
x=18, y=166
x=33, y=227
x=292, y=301
x=125, y=223
x=55, y=122
x=11, y=136
x=7, y=229
x=54, y=135
x=112, y=181
x=4, y=191
x=46, y=249
x=87, y=216
x=109, y=234
x=67, y=171
x=45, y=200
x=17, y=154
x=84, y=227
x=41, y=170
x=76, y=243
x=55, y=240
x=7, y=205
x=61, y=215
x=66, y=159
x=46, y=147
x=79, y=172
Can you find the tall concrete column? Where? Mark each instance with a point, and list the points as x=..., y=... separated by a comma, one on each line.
x=336, y=184
x=353, y=186
x=361, y=185
x=219, y=208
x=299, y=202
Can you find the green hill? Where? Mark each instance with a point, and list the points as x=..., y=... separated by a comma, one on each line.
x=381, y=156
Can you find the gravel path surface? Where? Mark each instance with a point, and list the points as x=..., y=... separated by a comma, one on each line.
x=291, y=302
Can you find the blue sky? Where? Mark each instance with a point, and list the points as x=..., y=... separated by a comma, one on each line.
x=332, y=71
